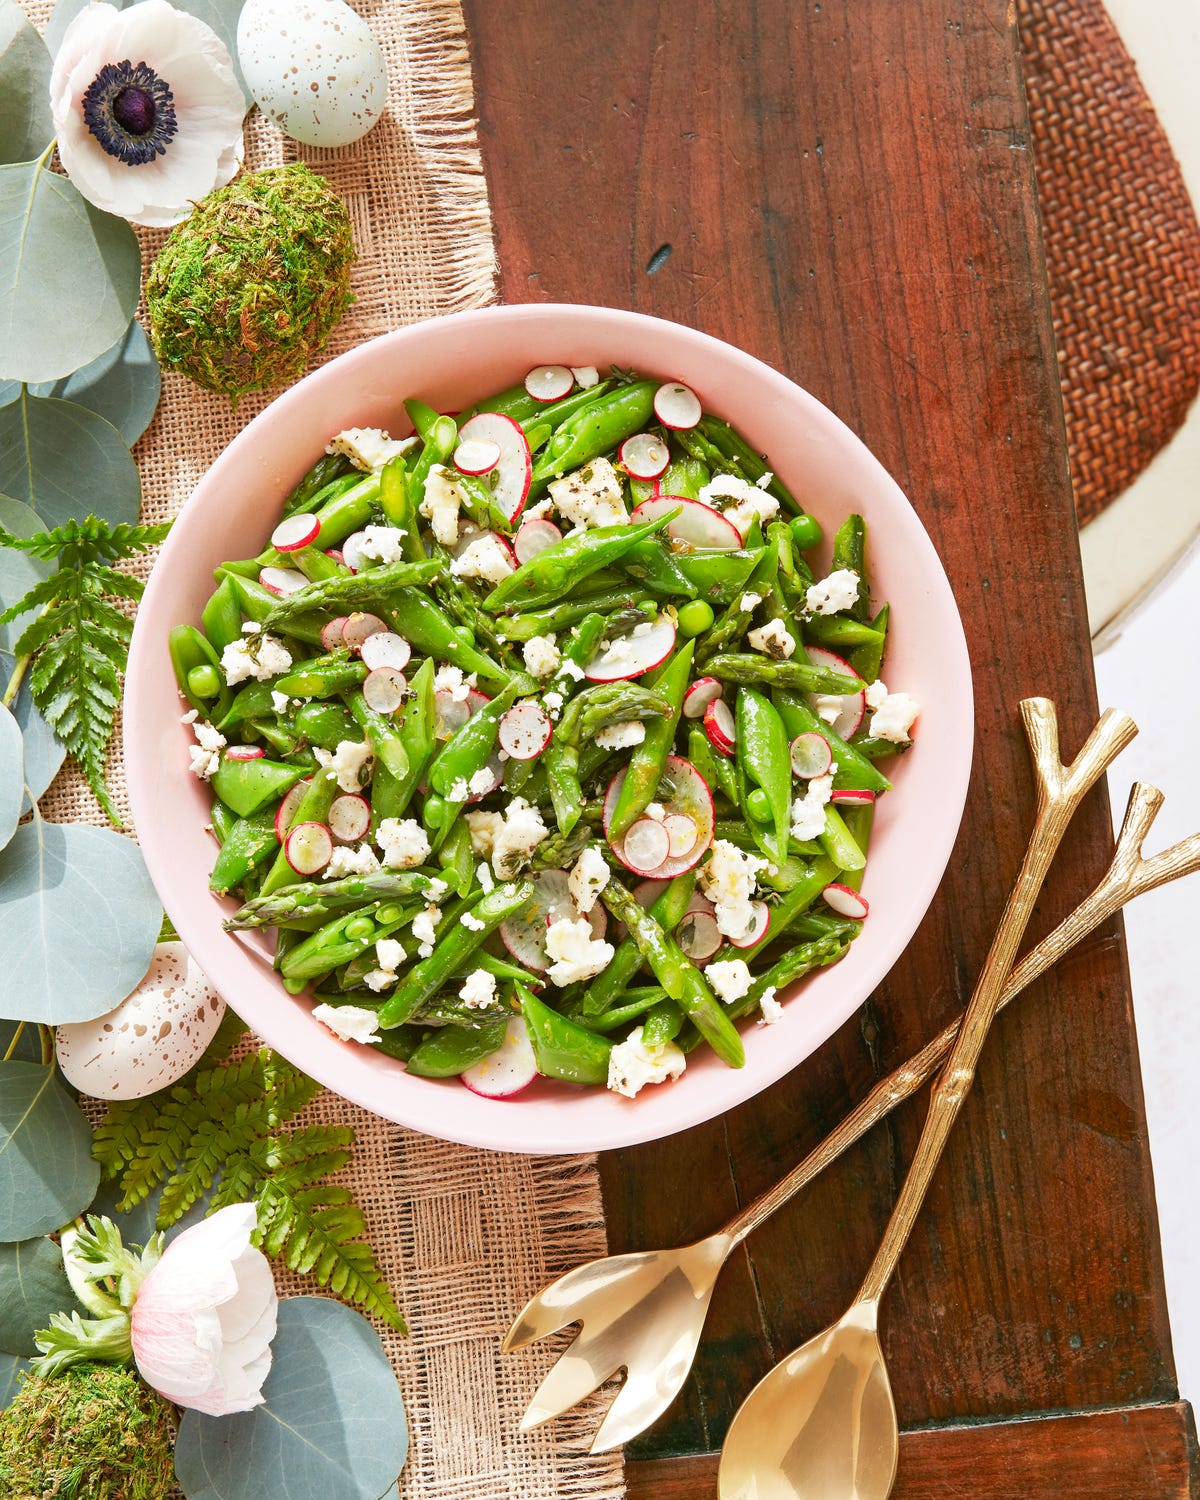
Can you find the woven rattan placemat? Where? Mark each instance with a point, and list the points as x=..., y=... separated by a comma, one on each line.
x=464, y=1236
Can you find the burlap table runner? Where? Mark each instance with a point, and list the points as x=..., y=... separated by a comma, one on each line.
x=464, y=1236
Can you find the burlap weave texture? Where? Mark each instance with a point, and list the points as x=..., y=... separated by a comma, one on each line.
x=464, y=1236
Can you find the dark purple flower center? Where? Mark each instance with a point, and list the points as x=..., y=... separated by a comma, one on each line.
x=131, y=112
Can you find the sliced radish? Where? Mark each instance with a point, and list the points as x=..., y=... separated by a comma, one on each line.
x=534, y=537
x=384, y=648
x=720, y=727
x=845, y=901
x=698, y=935
x=508, y=1070
x=359, y=628
x=525, y=934
x=525, y=730
x=470, y=537
x=331, y=635
x=762, y=920
x=286, y=810
x=682, y=834
x=677, y=406
x=349, y=818
x=631, y=655
x=811, y=755
x=549, y=382
x=282, y=581
x=244, y=752
x=294, y=532
x=477, y=456
x=703, y=691
x=853, y=797
x=850, y=707
x=646, y=846
x=515, y=465
x=338, y=556
x=451, y=713
x=647, y=892
x=691, y=799
x=385, y=690
x=308, y=848
x=494, y=766
x=698, y=526
x=644, y=456
x=352, y=554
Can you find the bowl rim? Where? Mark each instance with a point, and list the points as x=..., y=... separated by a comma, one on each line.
x=310, y=1051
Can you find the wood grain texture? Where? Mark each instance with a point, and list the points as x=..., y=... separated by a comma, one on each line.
x=846, y=191
x=1146, y=1454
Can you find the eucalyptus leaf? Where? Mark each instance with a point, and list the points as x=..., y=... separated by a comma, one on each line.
x=122, y=386
x=79, y=919
x=47, y=1175
x=69, y=276
x=11, y=1370
x=26, y=128
x=33, y=1285
x=18, y=570
x=331, y=1425
x=221, y=15
x=12, y=774
x=64, y=461
x=44, y=755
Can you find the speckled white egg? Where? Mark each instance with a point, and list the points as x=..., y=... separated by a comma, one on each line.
x=313, y=67
x=151, y=1039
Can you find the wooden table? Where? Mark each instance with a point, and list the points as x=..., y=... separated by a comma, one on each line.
x=846, y=190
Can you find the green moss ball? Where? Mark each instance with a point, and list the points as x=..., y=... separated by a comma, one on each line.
x=246, y=290
x=94, y=1432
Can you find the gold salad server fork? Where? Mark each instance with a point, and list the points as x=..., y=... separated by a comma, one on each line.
x=644, y=1312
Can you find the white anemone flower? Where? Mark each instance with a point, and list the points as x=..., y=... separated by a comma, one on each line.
x=204, y=1318
x=147, y=109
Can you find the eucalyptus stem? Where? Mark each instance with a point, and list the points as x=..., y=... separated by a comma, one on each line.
x=12, y=1046
x=20, y=667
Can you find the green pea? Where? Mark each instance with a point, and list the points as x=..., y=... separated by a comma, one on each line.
x=358, y=929
x=386, y=915
x=806, y=532
x=758, y=805
x=204, y=681
x=434, y=812
x=695, y=617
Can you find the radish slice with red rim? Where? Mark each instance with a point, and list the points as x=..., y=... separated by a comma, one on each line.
x=515, y=464
x=451, y=713
x=720, y=727
x=845, y=901
x=384, y=690
x=703, y=691
x=811, y=755
x=244, y=752
x=294, y=532
x=469, y=538
x=338, y=556
x=386, y=649
x=644, y=455
x=524, y=935
x=698, y=935
x=631, y=655
x=534, y=537
x=352, y=554
x=308, y=848
x=349, y=818
x=762, y=920
x=853, y=797
x=525, y=730
x=282, y=581
x=677, y=406
x=646, y=847
x=286, y=810
x=549, y=382
x=508, y=1070
x=477, y=456
x=682, y=834
x=691, y=799
x=850, y=706
x=331, y=635
x=698, y=526
x=359, y=628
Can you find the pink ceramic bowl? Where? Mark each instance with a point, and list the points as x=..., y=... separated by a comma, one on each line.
x=449, y=363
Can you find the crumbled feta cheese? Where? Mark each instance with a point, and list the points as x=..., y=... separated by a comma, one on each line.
x=764, y=480
x=591, y=496
x=389, y=954
x=827, y=707
x=632, y=1065
x=459, y=791
x=251, y=627
x=571, y=669
x=439, y=504
x=260, y=658
x=436, y=891
x=352, y=1023
x=481, y=783
x=478, y=989
x=894, y=714
x=519, y=835
x=554, y=703
x=424, y=929
x=472, y=922
x=749, y=501
x=369, y=448
x=542, y=655
x=576, y=953
x=451, y=680
x=618, y=653
x=730, y=978
x=808, y=811
x=728, y=881
x=483, y=873
x=485, y=558
x=205, y=754
x=484, y=827
x=622, y=736
x=586, y=376
x=837, y=592
x=383, y=543
x=748, y=603
x=589, y=877
x=350, y=762
x=190, y=717
x=656, y=811
x=773, y=639
x=643, y=629
x=769, y=1008
x=279, y=701
x=379, y=979
x=403, y=843
x=350, y=859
